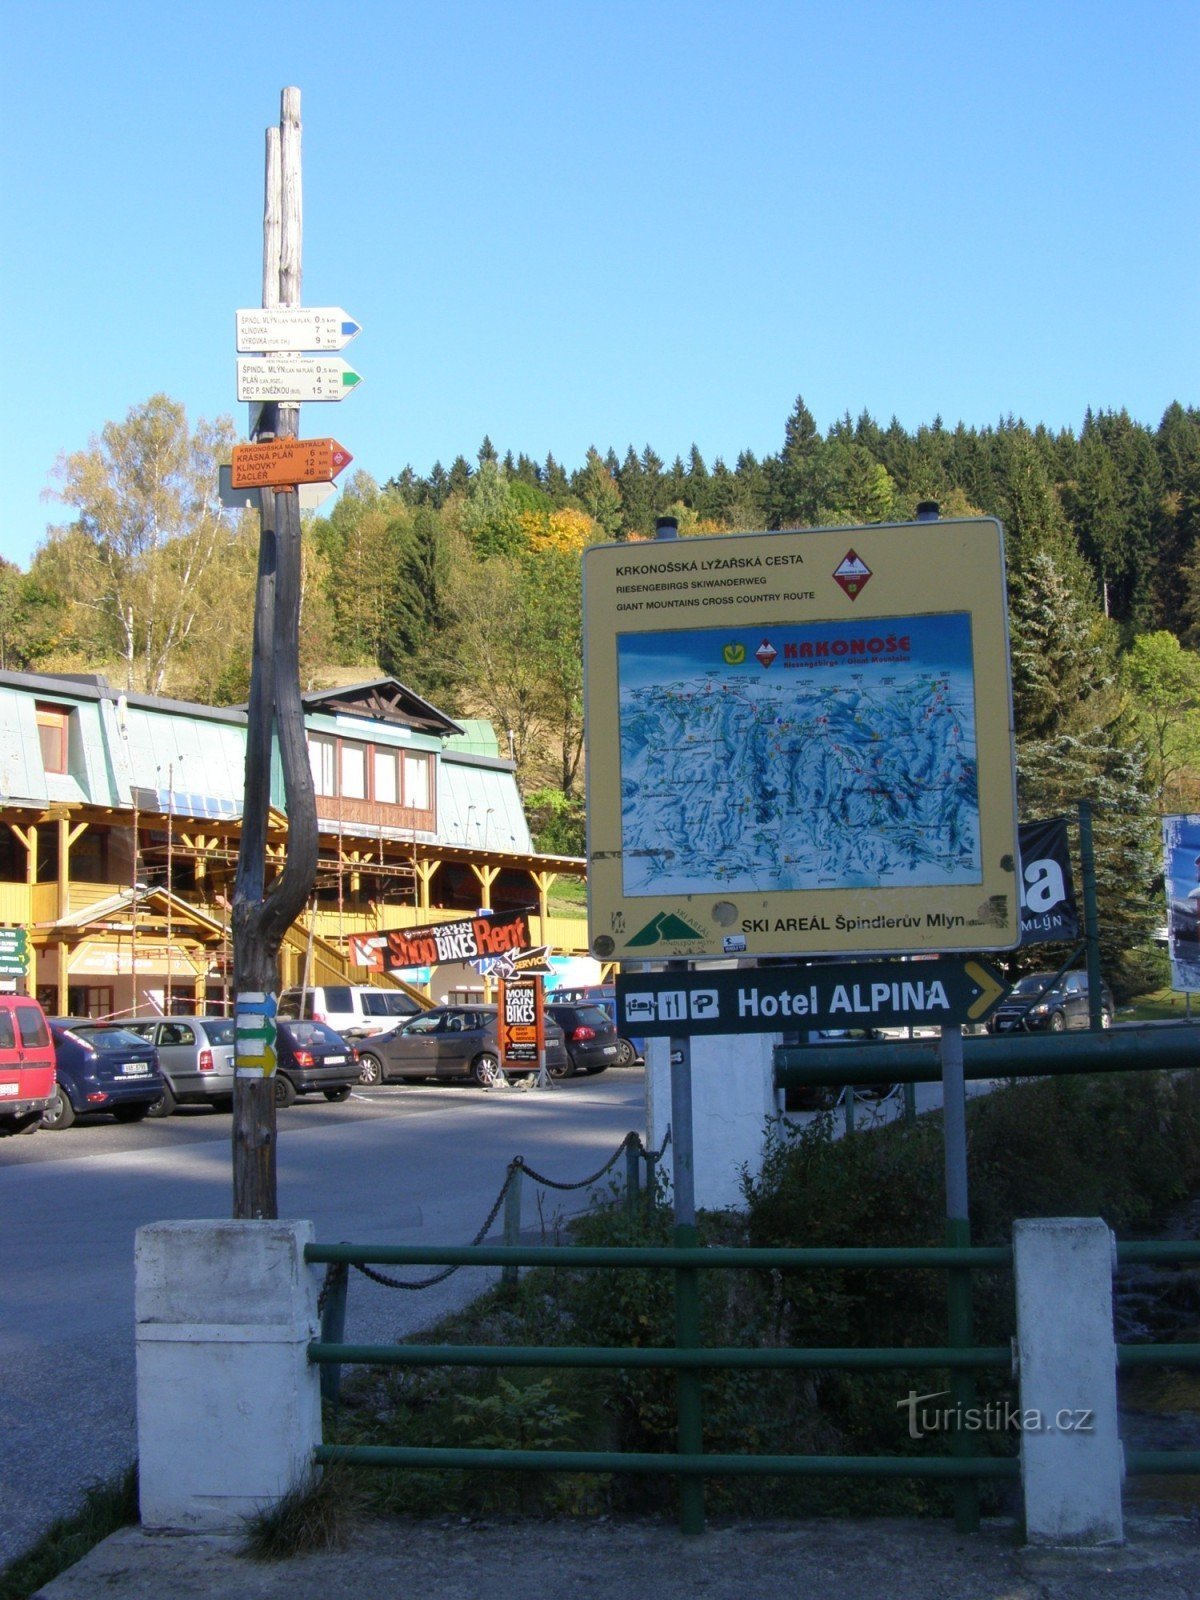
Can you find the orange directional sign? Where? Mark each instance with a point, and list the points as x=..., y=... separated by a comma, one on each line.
x=283, y=463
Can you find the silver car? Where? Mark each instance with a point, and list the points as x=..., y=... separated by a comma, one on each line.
x=196, y=1058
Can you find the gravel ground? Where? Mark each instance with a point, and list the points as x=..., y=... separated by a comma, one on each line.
x=834, y=1560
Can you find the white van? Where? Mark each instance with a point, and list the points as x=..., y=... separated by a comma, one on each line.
x=350, y=1005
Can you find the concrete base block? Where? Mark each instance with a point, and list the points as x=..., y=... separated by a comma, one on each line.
x=1071, y=1458
x=228, y=1406
x=733, y=1098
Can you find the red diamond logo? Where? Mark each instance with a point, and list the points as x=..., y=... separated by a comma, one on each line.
x=852, y=574
x=766, y=652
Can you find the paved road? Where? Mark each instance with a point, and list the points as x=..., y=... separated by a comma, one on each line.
x=410, y=1164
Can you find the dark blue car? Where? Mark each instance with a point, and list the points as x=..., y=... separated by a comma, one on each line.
x=101, y=1066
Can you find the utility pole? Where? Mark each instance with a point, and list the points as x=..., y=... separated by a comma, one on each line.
x=262, y=914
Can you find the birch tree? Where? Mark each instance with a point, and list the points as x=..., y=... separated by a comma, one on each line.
x=150, y=532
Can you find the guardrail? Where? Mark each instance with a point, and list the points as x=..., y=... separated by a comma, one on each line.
x=687, y=1356
x=1153, y=1252
x=1148, y=1048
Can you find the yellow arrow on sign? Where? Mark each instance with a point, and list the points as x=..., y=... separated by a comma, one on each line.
x=993, y=989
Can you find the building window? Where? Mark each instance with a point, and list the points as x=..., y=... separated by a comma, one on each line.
x=416, y=781
x=322, y=755
x=354, y=770
x=385, y=778
x=52, y=723
x=370, y=772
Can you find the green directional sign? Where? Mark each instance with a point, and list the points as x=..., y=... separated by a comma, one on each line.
x=873, y=994
x=14, y=952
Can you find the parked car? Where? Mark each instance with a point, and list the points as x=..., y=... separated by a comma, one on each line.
x=629, y=1050
x=591, y=1037
x=101, y=1066
x=349, y=1005
x=312, y=1059
x=448, y=1042
x=1038, y=1004
x=26, y=1064
x=195, y=1056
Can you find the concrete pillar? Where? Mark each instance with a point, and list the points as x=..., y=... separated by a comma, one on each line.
x=228, y=1406
x=1071, y=1458
x=733, y=1097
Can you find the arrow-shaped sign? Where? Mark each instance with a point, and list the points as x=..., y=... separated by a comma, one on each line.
x=295, y=328
x=291, y=379
x=991, y=990
x=311, y=495
x=774, y=999
x=284, y=463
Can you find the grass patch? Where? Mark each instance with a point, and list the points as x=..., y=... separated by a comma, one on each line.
x=568, y=898
x=106, y=1507
x=1163, y=1005
x=308, y=1520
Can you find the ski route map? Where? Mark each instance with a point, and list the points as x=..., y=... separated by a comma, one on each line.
x=812, y=757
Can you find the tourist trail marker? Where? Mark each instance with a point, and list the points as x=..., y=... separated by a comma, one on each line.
x=295, y=328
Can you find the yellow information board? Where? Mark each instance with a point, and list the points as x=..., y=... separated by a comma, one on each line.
x=800, y=743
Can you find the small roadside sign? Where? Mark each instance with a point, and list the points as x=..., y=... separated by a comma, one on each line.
x=295, y=328
x=886, y=994
x=284, y=463
x=293, y=379
x=522, y=1036
x=311, y=495
x=14, y=952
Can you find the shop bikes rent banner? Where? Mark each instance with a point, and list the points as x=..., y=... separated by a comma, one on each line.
x=1181, y=874
x=476, y=938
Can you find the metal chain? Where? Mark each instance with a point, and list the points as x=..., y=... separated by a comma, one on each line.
x=515, y=1168
x=549, y=1183
x=333, y=1271
x=440, y=1277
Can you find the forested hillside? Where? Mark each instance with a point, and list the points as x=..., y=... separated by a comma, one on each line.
x=465, y=583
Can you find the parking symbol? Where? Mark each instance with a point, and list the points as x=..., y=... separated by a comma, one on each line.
x=705, y=1005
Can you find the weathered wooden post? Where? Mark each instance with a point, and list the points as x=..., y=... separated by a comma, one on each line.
x=262, y=914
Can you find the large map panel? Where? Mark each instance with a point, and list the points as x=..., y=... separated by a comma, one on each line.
x=829, y=755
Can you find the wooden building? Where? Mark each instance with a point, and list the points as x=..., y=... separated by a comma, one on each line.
x=120, y=816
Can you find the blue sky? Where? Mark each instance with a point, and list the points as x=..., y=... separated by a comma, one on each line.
x=567, y=224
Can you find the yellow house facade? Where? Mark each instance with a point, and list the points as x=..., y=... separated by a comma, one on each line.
x=120, y=819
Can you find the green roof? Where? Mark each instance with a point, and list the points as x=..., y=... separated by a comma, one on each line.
x=478, y=737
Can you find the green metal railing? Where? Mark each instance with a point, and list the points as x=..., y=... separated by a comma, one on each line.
x=688, y=1357
x=1185, y=1252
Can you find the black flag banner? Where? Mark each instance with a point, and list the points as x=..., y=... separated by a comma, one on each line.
x=1048, y=910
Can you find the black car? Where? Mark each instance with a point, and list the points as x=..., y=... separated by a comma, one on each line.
x=591, y=1038
x=1039, y=1004
x=312, y=1059
x=604, y=995
x=101, y=1066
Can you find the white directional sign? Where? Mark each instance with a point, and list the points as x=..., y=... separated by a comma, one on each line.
x=295, y=328
x=291, y=379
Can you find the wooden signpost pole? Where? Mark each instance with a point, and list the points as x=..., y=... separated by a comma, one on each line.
x=263, y=913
